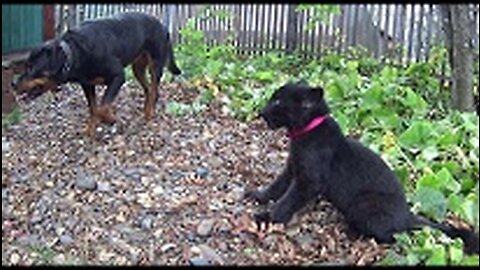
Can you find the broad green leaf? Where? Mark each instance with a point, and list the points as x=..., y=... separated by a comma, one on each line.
x=455, y=253
x=412, y=259
x=343, y=121
x=455, y=203
x=430, y=153
x=413, y=100
x=445, y=177
x=472, y=260
x=429, y=180
x=470, y=208
x=416, y=134
x=264, y=75
x=386, y=116
x=438, y=257
x=431, y=202
x=447, y=139
x=373, y=96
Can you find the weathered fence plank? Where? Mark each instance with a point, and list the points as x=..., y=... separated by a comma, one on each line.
x=404, y=32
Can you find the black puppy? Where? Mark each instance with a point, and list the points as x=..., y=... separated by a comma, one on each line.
x=322, y=161
x=96, y=53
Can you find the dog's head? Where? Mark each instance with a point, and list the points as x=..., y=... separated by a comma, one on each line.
x=294, y=105
x=42, y=69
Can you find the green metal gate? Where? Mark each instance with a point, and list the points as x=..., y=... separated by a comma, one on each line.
x=22, y=27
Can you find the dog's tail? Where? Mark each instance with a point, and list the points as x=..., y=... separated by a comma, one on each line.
x=171, y=65
x=470, y=239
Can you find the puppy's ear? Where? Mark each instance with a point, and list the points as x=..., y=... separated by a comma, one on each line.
x=317, y=91
x=302, y=82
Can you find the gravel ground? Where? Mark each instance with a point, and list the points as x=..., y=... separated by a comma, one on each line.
x=165, y=192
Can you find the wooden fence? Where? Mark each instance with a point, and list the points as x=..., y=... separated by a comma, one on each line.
x=405, y=32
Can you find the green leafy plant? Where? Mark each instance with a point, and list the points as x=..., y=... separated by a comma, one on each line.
x=11, y=118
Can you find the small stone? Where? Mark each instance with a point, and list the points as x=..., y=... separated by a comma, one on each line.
x=14, y=258
x=205, y=227
x=104, y=187
x=210, y=254
x=158, y=190
x=36, y=218
x=59, y=259
x=5, y=146
x=147, y=222
x=176, y=175
x=225, y=227
x=114, y=129
x=85, y=182
x=144, y=199
x=202, y=172
x=28, y=240
x=4, y=194
x=49, y=184
x=271, y=240
x=66, y=239
x=238, y=193
x=215, y=162
x=22, y=175
x=133, y=173
x=199, y=261
x=306, y=242
x=167, y=247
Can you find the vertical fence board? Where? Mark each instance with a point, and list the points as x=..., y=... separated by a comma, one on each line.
x=258, y=28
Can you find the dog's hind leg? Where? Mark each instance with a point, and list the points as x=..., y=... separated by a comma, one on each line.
x=139, y=67
x=152, y=95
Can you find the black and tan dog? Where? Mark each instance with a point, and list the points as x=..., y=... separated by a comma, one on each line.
x=96, y=53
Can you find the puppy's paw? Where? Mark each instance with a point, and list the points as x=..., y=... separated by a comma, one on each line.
x=280, y=215
x=262, y=218
x=255, y=195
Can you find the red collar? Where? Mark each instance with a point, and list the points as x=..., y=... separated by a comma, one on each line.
x=317, y=121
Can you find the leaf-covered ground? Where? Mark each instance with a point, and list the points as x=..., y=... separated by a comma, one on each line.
x=164, y=192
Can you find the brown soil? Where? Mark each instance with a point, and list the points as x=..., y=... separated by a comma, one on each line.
x=8, y=99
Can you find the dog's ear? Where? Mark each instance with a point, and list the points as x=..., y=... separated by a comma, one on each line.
x=314, y=97
x=56, y=57
x=318, y=91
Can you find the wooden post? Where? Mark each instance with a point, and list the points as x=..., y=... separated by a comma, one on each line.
x=291, y=41
x=48, y=22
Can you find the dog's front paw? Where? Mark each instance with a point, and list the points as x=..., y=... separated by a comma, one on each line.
x=106, y=114
x=89, y=129
x=256, y=195
x=280, y=215
x=262, y=218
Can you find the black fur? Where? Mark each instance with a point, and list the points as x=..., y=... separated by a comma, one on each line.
x=352, y=177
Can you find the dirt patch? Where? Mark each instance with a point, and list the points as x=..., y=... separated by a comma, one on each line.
x=166, y=192
x=8, y=99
